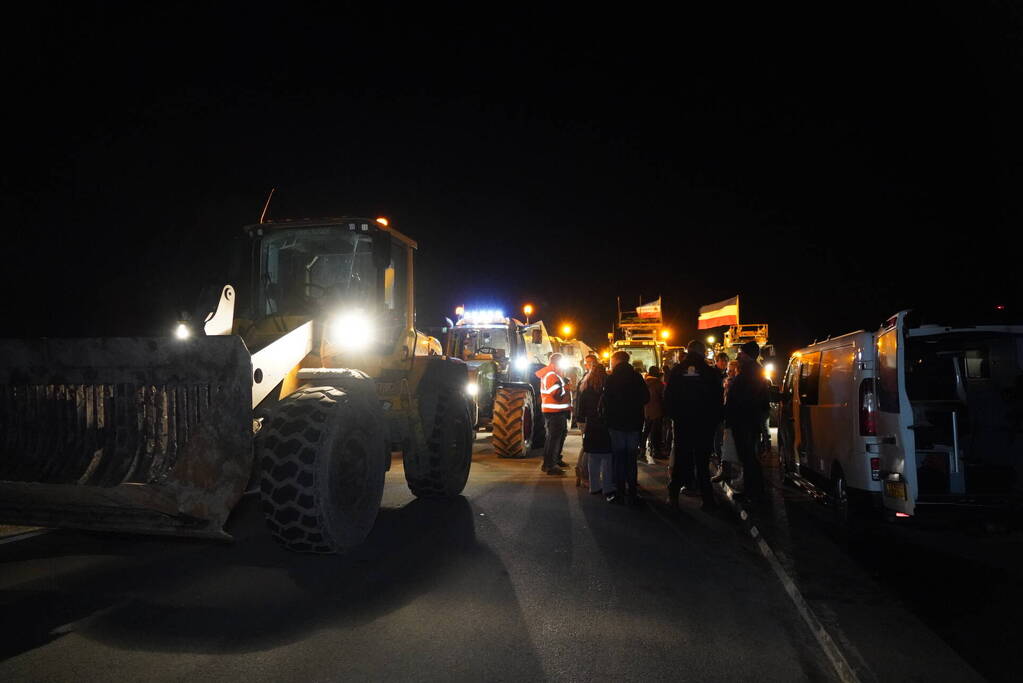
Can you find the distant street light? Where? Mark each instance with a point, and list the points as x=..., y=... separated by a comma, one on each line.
x=528, y=310
x=566, y=330
x=665, y=335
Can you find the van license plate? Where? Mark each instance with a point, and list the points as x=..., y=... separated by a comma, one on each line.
x=895, y=489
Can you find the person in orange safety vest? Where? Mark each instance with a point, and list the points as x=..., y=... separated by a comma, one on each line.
x=556, y=398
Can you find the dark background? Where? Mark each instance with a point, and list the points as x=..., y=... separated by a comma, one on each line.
x=829, y=165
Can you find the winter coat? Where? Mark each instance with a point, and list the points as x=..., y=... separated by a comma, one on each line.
x=748, y=399
x=625, y=395
x=655, y=408
x=596, y=438
x=694, y=393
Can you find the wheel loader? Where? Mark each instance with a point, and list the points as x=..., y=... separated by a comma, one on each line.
x=303, y=393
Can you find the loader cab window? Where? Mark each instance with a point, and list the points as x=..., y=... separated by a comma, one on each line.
x=318, y=270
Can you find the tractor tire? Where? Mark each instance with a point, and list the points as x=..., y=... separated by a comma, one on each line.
x=323, y=453
x=443, y=469
x=514, y=415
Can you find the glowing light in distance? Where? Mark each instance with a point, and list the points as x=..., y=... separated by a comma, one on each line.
x=528, y=309
x=383, y=221
x=460, y=311
x=566, y=330
x=605, y=355
x=711, y=339
x=182, y=331
x=351, y=330
x=665, y=334
x=483, y=316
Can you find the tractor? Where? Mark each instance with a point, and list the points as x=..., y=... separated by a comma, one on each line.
x=503, y=355
x=302, y=393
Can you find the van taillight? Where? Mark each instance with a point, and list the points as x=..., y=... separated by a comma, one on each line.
x=868, y=408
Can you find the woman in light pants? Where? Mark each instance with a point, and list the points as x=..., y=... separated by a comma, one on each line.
x=596, y=441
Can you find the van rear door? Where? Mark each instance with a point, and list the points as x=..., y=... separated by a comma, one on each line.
x=894, y=418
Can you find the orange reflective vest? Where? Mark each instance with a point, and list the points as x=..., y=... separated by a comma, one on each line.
x=555, y=396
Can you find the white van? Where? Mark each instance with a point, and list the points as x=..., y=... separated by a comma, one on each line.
x=827, y=421
x=950, y=415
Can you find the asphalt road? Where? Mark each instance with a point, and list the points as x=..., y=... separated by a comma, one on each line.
x=525, y=577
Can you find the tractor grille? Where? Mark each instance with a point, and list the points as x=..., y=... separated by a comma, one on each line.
x=96, y=434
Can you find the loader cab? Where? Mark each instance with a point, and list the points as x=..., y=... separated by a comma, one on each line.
x=352, y=276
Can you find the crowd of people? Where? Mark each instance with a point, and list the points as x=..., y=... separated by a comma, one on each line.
x=695, y=410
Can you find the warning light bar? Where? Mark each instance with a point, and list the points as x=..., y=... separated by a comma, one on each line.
x=482, y=316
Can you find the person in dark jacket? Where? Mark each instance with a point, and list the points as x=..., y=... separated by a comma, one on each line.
x=745, y=409
x=596, y=439
x=625, y=395
x=693, y=400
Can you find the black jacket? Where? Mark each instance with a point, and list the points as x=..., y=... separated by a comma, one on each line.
x=595, y=436
x=694, y=393
x=625, y=394
x=748, y=400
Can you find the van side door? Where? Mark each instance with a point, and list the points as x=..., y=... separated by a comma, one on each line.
x=787, y=417
x=894, y=418
x=809, y=393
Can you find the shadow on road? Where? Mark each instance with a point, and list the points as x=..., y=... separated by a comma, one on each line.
x=186, y=596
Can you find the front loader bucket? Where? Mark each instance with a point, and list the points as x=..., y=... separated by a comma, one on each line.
x=125, y=434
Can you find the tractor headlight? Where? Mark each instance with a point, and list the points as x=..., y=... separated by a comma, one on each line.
x=472, y=388
x=521, y=363
x=351, y=330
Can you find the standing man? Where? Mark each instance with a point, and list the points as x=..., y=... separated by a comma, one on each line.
x=693, y=399
x=652, y=439
x=721, y=363
x=745, y=409
x=625, y=395
x=557, y=405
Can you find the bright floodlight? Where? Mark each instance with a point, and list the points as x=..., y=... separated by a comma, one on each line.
x=521, y=363
x=182, y=331
x=711, y=339
x=352, y=330
x=472, y=388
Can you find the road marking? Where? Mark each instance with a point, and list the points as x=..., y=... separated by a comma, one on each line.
x=24, y=536
x=845, y=672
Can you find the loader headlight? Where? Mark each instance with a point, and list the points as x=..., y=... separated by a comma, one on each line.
x=472, y=388
x=521, y=363
x=351, y=330
x=182, y=331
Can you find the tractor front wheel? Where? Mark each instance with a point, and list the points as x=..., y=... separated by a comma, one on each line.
x=514, y=417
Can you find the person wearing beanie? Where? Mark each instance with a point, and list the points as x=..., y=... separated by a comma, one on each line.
x=746, y=406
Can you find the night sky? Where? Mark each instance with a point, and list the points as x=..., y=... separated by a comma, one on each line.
x=829, y=165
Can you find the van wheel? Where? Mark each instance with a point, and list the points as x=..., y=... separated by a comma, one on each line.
x=840, y=499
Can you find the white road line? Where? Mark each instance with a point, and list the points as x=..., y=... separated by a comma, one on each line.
x=24, y=536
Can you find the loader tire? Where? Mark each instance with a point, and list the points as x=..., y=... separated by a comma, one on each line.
x=514, y=415
x=322, y=459
x=443, y=468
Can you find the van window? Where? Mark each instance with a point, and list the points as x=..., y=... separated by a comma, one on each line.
x=836, y=375
x=790, y=376
x=809, y=379
x=888, y=372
